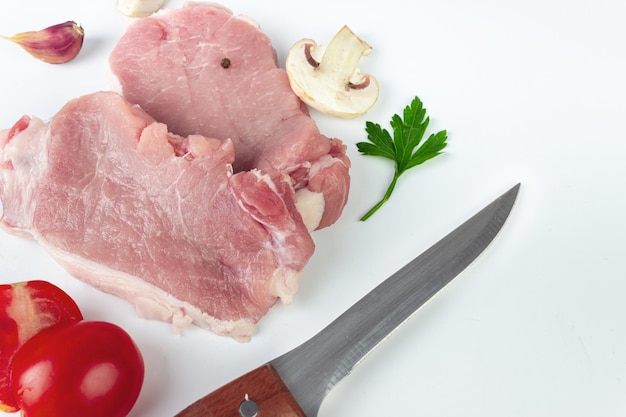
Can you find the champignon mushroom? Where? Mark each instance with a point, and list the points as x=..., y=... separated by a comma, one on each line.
x=139, y=8
x=329, y=80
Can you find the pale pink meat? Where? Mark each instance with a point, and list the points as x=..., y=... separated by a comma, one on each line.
x=200, y=69
x=155, y=218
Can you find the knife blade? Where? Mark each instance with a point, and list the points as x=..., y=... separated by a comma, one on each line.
x=295, y=384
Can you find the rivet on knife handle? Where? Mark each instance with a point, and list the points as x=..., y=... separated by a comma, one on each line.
x=258, y=393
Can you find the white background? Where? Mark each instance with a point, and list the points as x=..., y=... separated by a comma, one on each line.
x=529, y=91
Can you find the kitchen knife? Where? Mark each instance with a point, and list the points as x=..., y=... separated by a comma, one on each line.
x=294, y=384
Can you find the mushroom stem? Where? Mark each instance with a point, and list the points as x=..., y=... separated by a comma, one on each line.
x=342, y=56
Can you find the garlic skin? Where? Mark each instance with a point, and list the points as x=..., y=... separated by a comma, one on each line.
x=56, y=44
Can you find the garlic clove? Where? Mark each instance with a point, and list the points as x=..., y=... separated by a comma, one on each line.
x=56, y=44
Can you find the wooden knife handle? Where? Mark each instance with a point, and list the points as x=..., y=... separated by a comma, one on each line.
x=262, y=388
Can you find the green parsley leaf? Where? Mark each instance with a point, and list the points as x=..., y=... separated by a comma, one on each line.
x=403, y=147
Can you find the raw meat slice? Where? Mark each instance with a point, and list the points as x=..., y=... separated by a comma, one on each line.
x=199, y=69
x=155, y=218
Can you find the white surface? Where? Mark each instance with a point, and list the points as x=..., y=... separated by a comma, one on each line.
x=530, y=92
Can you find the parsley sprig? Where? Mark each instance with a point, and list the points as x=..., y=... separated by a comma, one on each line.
x=403, y=148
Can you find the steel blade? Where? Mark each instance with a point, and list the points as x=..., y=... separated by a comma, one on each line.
x=312, y=369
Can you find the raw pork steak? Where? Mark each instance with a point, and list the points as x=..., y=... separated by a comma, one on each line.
x=155, y=218
x=199, y=69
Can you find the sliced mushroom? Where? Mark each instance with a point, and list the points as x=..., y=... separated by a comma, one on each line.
x=139, y=8
x=328, y=79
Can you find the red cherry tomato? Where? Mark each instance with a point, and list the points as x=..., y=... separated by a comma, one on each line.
x=87, y=368
x=26, y=308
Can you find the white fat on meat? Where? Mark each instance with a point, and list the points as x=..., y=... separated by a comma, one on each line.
x=158, y=219
x=311, y=207
x=201, y=69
